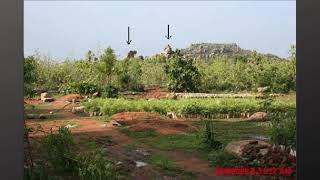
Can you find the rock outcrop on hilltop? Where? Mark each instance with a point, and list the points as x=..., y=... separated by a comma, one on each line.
x=212, y=50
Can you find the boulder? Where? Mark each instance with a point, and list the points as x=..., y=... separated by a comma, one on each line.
x=131, y=54
x=95, y=95
x=43, y=96
x=262, y=89
x=236, y=148
x=167, y=52
x=258, y=116
x=172, y=115
x=47, y=99
x=79, y=109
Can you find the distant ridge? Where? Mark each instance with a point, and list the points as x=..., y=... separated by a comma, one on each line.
x=212, y=50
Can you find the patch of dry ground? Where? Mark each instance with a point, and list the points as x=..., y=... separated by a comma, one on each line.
x=85, y=128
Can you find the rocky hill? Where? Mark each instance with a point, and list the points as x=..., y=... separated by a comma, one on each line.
x=213, y=50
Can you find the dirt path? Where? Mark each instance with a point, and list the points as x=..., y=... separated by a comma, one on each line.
x=109, y=137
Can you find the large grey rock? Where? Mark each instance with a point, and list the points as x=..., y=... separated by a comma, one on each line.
x=167, y=52
x=258, y=116
x=236, y=148
x=212, y=50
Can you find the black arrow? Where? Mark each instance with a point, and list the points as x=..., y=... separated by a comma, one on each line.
x=168, y=36
x=128, y=41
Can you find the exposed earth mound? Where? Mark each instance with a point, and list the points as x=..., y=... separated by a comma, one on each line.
x=163, y=127
x=128, y=118
x=152, y=93
x=144, y=121
x=71, y=97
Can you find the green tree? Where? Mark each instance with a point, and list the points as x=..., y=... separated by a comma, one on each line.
x=107, y=62
x=183, y=74
x=29, y=74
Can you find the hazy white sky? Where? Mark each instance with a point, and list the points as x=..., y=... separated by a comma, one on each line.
x=69, y=29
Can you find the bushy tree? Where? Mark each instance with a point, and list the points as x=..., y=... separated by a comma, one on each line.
x=183, y=74
x=107, y=62
x=129, y=75
x=29, y=75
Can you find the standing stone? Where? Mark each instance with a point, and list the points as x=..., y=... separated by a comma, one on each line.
x=167, y=52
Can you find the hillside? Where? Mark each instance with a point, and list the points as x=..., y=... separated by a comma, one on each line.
x=212, y=50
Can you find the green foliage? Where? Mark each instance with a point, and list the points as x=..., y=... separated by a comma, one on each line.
x=129, y=75
x=221, y=159
x=183, y=75
x=110, y=92
x=203, y=107
x=247, y=74
x=94, y=166
x=30, y=75
x=178, y=73
x=208, y=135
x=283, y=129
x=60, y=150
x=142, y=134
x=82, y=87
x=107, y=62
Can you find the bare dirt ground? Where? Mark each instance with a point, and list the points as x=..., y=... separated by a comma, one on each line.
x=107, y=136
x=152, y=93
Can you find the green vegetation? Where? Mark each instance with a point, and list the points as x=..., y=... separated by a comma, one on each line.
x=283, y=129
x=202, y=107
x=169, y=167
x=178, y=73
x=225, y=131
x=29, y=75
x=60, y=150
x=58, y=158
x=209, y=135
x=183, y=75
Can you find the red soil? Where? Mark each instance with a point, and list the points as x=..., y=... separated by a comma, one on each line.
x=163, y=127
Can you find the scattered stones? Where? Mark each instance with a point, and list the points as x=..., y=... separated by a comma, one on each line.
x=262, y=89
x=71, y=126
x=42, y=116
x=142, y=152
x=79, y=109
x=115, y=123
x=37, y=116
x=44, y=95
x=258, y=116
x=95, y=95
x=48, y=100
x=140, y=164
x=236, y=148
x=32, y=116
x=172, y=115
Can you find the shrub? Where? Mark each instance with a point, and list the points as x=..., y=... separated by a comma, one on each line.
x=221, y=159
x=94, y=166
x=283, y=129
x=110, y=92
x=183, y=74
x=208, y=135
x=83, y=87
x=29, y=75
x=60, y=150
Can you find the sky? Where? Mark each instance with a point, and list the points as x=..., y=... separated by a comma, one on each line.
x=68, y=29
